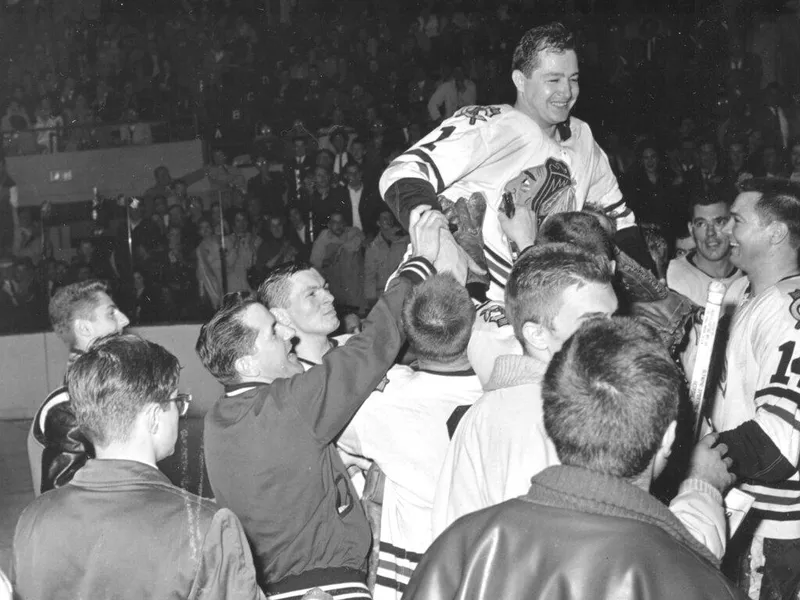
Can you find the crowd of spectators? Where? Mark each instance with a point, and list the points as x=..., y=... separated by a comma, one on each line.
x=510, y=441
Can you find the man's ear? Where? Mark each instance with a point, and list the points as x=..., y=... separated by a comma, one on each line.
x=689, y=229
x=669, y=438
x=153, y=417
x=534, y=335
x=778, y=232
x=244, y=366
x=518, y=77
x=83, y=329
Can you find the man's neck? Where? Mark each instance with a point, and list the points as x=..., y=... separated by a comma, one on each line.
x=312, y=347
x=357, y=188
x=460, y=364
x=137, y=453
x=718, y=269
x=772, y=271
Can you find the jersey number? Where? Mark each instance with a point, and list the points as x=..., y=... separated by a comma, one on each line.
x=445, y=133
x=786, y=362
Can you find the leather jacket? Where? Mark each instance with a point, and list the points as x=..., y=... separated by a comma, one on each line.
x=65, y=448
x=576, y=535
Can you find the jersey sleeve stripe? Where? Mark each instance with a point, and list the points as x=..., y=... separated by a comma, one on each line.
x=782, y=414
x=429, y=161
x=503, y=262
x=779, y=393
x=612, y=207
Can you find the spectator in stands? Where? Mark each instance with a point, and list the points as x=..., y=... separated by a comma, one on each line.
x=80, y=313
x=209, y=266
x=88, y=257
x=358, y=202
x=400, y=426
x=162, y=187
x=279, y=245
x=296, y=167
x=299, y=225
x=277, y=469
x=241, y=248
x=711, y=172
x=338, y=253
x=737, y=172
x=650, y=189
x=28, y=241
x=600, y=493
x=22, y=299
x=225, y=179
x=134, y=130
x=157, y=540
x=268, y=187
x=384, y=254
x=147, y=304
x=338, y=140
x=454, y=92
x=322, y=201
x=771, y=118
x=710, y=259
x=769, y=164
x=179, y=275
x=49, y=126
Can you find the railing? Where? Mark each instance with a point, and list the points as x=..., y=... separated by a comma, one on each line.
x=76, y=137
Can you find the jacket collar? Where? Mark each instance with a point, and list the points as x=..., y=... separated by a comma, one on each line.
x=587, y=491
x=512, y=370
x=102, y=472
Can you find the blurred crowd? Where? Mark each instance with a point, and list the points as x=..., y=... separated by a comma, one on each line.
x=302, y=106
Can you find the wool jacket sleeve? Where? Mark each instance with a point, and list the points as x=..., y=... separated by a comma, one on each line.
x=226, y=564
x=698, y=506
x=765, y=449
x=328, y=395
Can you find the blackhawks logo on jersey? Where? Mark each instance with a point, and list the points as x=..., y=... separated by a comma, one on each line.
x=794, y=307
x=545, y=189
x=478, y=113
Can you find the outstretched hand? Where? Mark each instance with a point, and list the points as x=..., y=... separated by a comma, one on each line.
x=424, y=227
x=521, y=228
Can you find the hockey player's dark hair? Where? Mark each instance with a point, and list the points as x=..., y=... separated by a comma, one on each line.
x=779, y=201
x=275, y=290
x=553, y=37
x=438, y=315
x=700, y=197
x=114, y=380
x=71, y=302
x=581, y=229
x=609, y=396
x=540, y=276
x=226, y=338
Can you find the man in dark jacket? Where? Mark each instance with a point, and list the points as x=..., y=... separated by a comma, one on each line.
x=588, y=528
x=120, y=529
x=269, y=440
x=80, y=313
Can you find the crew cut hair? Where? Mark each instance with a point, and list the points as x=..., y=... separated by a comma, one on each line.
x=539, y=278
x=71, y=302
x=581, y=229
x=609, y=395
x=226, y=338
x=275, y=290
x=553, y=37
x=438, y=315
x=112, y=382
x=779, y=201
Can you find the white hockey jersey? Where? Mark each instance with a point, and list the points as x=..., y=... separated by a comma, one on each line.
x=760, y=382
x=485, y=150
x=684, y=277
x=404, y=429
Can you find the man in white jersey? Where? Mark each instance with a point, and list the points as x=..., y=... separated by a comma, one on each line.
x=501, y=442
x=405, y=426
x=533, y=153
x=756, y=407
x=710, y=260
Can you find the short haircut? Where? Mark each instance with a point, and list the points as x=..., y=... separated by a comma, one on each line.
x=71, y=302
x=438, y=315
x=275, y=290
x=700, y=197
x=553, y=37
x=779, y=201
x=114, y=380
x=540, y=276
x=609, y=395
x=581, y=229
x=225, y=338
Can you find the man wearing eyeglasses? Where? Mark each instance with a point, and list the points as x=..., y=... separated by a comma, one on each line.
x=120, y=528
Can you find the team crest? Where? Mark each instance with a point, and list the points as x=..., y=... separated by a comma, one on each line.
x=794, y=307
x=545, y=189
x=478, y=113
x=496, y=314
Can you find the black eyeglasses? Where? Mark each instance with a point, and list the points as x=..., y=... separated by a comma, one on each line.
x=182, y=402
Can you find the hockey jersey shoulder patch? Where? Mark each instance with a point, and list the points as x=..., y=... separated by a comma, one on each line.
x=493, y=313
x=794, y=307
x=477, y=113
